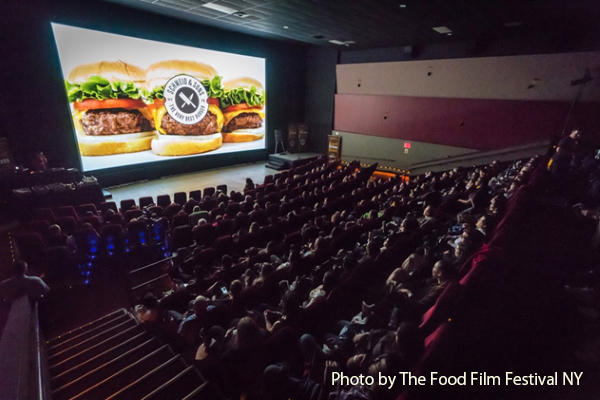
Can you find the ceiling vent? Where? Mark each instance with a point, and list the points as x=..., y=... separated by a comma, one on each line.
x=442, y=29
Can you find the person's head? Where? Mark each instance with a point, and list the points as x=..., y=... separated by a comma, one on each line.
x=498, y=204
x=254, y=227
x=248, y=335
x=442, y=271
x=201, y=221
x=87, y=226
x=266, y=269
x=19, y=268
x=349, y=263
x=428, y=211
x=200, y=305
x=482, y=223
x=54, y=230
x=463, y=249
x=196, y=209
x=236, y=287
x=291, y=304
x=249, y=181
x=329, y=281
x=226, y=261
x=150, y=301
x=373, y=248
x=409, y=225
x=575, y=134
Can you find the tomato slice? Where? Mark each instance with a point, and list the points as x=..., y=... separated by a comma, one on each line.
x=214, y=101
x=239, y=107
x=157, y=104
x=92, y=104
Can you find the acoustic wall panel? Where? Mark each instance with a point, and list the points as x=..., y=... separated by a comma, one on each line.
x=458, y=122
x=533, y=77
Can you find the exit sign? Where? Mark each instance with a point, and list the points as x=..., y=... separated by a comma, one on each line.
x=407, y=145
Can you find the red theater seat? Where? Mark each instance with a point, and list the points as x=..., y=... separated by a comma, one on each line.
x=126, y=205
x=108, y=205
x=182, y=236
x=39, y=226
x=146, y=201
x=45, y=213
x=68, y=225
x=66, y=211
x=209, y=191
x=180, y=198
x=83, y=209
x=163, y=200
x=196, y=195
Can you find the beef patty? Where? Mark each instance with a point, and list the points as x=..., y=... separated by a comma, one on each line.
x=207, y=126
x=244, y=121
x=114, y=121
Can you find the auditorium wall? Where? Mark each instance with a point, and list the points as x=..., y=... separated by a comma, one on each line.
x=478, y=103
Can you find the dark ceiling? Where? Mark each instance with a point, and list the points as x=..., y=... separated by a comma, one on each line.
x=387, y=23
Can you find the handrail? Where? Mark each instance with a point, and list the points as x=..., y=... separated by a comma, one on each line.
x=478, y=154
x=151, y=265
x=21, y=362
x=149, y=282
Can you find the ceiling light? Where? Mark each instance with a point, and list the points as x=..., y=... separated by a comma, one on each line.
x=217, y=7
x=347, y=43
x=402, y=5
x=285, y=27
x=442, y=29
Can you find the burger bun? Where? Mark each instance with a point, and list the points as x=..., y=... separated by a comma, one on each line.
x=175, y=145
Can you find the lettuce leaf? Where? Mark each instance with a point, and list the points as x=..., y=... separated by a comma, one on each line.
x=213, y=88
x=236, y=96
x=98, y=88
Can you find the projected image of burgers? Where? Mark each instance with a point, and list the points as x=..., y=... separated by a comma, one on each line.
x=184, y=99
x=109, y=114
x=243, y=106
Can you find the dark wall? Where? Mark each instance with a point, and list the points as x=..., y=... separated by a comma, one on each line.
x=34, y=113
x=525, y=44
x=320, y=92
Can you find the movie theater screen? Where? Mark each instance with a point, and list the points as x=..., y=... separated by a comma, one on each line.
x=137, y=101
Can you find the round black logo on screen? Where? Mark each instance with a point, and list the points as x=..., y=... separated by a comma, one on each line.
x=185, y=99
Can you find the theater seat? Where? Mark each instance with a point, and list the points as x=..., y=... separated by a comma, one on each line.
x=67, y=211
x=180, y=198
x=146, y=201
x=196, y=195
x=108, y=205
x=83, y=209
x=163, y=200
x=126, y=205
x=45, y=213
x=182, y=237
x=68, y=225
x=209, y=191
x=39, y=226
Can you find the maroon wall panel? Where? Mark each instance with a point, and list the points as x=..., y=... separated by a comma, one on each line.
x=470, y=123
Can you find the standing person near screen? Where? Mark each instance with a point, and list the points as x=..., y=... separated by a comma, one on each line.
x=39, y=162
x=567, y=148
x=19, y=284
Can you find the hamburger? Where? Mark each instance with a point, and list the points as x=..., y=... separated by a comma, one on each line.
x=174, y=138
x=243, y=106
x=109, y=114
